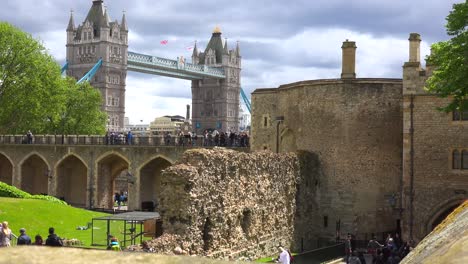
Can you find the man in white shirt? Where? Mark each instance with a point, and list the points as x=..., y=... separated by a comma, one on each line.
x=284, y=256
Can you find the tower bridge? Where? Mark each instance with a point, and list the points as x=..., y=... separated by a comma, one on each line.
x=214, y=73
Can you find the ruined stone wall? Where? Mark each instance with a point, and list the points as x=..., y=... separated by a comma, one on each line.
x=227, y=204
x=355, y=129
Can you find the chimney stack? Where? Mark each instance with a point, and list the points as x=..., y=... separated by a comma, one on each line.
x=414, y=47
x=187, y=116
x=348, y=70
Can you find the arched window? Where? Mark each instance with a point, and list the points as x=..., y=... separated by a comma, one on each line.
x=456, y=164
x=464, y=160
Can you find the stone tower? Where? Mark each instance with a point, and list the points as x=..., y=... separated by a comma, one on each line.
x=215, y=102
x=97, y=37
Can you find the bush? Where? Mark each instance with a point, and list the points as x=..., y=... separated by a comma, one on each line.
x=13, y=192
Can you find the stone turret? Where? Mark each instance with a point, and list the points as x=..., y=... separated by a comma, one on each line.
x=215, y=102
x=97, y=37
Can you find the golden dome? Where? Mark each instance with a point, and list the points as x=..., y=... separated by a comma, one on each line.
x=217, y=30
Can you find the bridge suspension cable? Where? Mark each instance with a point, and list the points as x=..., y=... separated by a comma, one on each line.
x=246, y=100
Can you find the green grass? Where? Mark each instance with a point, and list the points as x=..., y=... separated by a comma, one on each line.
x=38, y=215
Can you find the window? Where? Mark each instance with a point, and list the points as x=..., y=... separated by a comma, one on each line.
x=109, y=100
x=460, y=116
x=265, y=121
x=325, y=221
x=456, y=161
x=460, y=159
x=464, y=160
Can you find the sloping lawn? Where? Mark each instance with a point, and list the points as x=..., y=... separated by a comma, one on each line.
x=38, y=215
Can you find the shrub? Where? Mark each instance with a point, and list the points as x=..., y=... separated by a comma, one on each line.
x=13, y=192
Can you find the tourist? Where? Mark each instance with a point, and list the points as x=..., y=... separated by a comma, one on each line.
x=38, y=240
x=348, y=247
x=373, y=246
x=354, y=259
x=284, y=256
x=29, y=137
x=129, y=137
x=53, y=240
x=114, y=244
x=5, y=235
x=23, y=239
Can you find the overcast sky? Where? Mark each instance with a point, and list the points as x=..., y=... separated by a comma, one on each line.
x=281, y=41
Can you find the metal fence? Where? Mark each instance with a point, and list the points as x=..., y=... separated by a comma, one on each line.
x=171, y=141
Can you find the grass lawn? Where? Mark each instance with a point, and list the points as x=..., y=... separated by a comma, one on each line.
x=38, y=215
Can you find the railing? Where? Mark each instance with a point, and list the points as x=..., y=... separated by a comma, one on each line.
x=173, y=65
x=172, y=141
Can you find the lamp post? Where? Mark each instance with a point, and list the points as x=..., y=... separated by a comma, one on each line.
x=279, y=120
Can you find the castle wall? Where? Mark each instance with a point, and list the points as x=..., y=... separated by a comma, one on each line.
x=354, y=127
x=227, y=204
x=437, y=187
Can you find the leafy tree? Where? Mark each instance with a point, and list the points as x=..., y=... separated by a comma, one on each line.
x=79, y=113
x=34, y=96
x=450, y=77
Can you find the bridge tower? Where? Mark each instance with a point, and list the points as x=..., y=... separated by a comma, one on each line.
x=97, y=37
x=215, y=102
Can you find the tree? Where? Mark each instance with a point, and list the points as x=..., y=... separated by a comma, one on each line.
x=34, y=96
x=450, y=58
x=79, y=112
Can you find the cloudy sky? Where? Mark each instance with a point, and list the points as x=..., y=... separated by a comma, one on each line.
x=281, y=41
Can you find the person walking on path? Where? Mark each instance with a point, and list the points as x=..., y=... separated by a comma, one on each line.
x=284, y=257
x=23, y=239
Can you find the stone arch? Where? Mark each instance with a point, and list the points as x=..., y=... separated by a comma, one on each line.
x=108, y=167
x=441, y=212
x=35, y=173
x=6, y=169
x=71, y=174
x=149, y=175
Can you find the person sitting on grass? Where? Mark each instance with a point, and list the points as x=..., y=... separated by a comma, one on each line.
x=53, y=240
x=38, y=240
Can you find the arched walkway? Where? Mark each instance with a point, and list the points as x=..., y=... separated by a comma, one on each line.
x=108, y=168
x=442, y=213
x=6, y=170
x=35, y=175
x=71, y=181
x=150, y=179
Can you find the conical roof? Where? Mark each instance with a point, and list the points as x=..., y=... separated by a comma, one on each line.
x=97, y=16
x=71, y=23
x=216, y=44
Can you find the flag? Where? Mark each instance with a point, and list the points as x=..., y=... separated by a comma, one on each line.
x=164, y=42
x=189, y=48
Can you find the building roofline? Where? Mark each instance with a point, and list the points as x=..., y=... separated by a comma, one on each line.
x=328, y=81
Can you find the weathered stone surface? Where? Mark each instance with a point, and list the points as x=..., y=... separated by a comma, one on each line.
x=42, y=254
x=354, y=127
x=227, y=204
x=447, y=243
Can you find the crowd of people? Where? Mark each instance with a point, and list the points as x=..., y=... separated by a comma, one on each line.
x=391, y=251
x=6, y=236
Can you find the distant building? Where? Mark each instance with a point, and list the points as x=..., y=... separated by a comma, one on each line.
x=244, y=119
x=166, y=124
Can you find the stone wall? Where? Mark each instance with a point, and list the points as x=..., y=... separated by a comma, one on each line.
x=354, y=128
x=227, y=204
